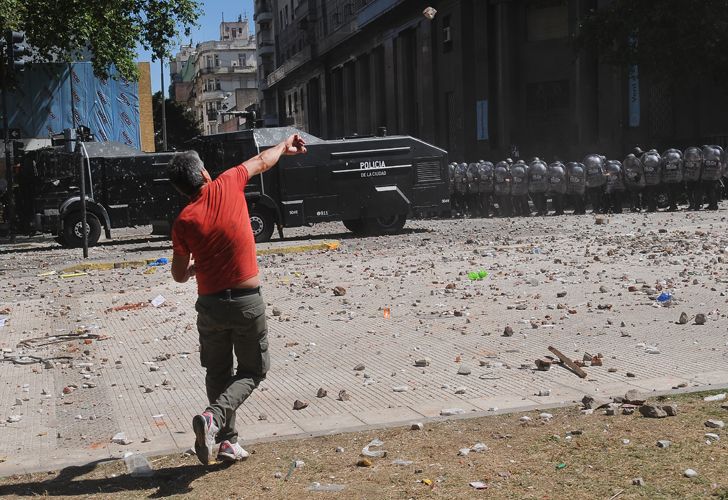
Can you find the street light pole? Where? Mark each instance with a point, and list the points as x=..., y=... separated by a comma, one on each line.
x=164, y=106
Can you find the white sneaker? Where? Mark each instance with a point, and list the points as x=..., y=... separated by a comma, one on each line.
x=231, y=452
x=205, y=432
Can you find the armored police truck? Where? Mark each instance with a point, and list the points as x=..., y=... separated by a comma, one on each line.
x=372, y=184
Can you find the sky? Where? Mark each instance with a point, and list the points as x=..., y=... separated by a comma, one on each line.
x=208, y=29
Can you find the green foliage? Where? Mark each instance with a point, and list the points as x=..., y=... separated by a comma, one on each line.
x=676, y=38
x=181, y=123
x=106, y=31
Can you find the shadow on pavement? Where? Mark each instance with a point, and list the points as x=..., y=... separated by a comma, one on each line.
x=166, y=482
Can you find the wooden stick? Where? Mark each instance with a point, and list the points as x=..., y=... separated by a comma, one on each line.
x=568, y=362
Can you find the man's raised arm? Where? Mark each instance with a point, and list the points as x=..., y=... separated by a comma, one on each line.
x=258, y=164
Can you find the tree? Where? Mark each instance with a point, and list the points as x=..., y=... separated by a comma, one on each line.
x=107, y=31
x=673, y=39
x=181, y=123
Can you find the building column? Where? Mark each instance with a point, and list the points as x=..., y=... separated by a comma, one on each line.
x=425, y=84
x=390, y=91
x=363, y=95
x=504, y=80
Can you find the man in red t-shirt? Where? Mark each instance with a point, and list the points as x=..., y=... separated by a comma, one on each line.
x=213, y=241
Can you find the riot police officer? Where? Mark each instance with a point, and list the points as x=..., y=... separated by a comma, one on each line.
x=576, y=186
x=538, y=185
x=473, y=196
x=634, y=178
x=485, y=173
x=461, y=188
x=596, y=179
x=672, y=175
x=502, y=188
x=556, y=177
x=519, y=189
x=692, y=170
x=615, y=186
x=712, y=172
x=651, y=162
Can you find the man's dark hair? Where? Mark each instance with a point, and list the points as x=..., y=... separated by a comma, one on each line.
x=185, y=172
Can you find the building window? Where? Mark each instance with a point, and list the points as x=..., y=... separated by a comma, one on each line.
x=295, y=101
x=241, y=59
x=286, y=16
x=217, y=84
x=290, y=107
x=208, y=61
x=302, y=99
x=217, y=61
x=547, y=20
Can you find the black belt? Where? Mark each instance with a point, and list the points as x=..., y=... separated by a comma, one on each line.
x=231, y=293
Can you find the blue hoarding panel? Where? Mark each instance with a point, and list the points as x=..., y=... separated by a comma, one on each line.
x=49, y=95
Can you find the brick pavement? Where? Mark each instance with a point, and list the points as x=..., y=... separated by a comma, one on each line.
x=145, y=379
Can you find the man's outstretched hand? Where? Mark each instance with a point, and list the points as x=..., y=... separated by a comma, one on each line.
x=258, y=164
x=294, y=145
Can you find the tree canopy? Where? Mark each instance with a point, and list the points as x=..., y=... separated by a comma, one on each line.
x=181, y=123
x=107, y=32
x=675, y=38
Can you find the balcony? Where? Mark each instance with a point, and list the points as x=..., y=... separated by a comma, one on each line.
x=211, y=95
x=265, y=49
x=263, y=17
x=226, y=70
x=290, y=65
x=374, y=10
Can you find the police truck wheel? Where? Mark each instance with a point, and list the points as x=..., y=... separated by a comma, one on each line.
x=72, y=229
x=261, y=221
x=391, y=224
x=356, y=226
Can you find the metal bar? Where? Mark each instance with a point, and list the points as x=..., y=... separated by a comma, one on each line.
x=82, y=171
x=568, y=362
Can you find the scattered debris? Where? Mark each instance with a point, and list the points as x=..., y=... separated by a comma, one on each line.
x=568, y=362
x=299, y=405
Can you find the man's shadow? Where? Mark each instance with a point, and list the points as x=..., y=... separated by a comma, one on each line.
x=167, y=481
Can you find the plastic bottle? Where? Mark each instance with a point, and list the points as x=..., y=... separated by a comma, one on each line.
x=137, y=465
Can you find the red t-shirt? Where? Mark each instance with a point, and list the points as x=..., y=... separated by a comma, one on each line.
x=215, y=228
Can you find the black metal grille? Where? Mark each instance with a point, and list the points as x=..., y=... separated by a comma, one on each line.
x=428, y=171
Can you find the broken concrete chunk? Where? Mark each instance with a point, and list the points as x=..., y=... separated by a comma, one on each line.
x=652, y=411
x=714, y=424
x=299, y=405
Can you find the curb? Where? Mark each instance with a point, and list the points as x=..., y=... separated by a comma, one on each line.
x=58, y=465
x=107, y=266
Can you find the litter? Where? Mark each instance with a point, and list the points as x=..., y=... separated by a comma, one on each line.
x=399, y=461
x=3, y=319
x=158, y=301
x=120, y=438
x=717, y=397
x=72, y=275
x=478, y=485
x=159, y=262
x=137, y=465
x=326, y=487
x=374, y=453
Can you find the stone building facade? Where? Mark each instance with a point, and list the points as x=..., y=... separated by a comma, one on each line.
x=217, y=76
x=484, y=77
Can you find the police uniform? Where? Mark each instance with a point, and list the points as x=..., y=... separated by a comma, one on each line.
x=576, y=186
x=596, y=180
x=538, y=184
x=672, y=175
x=651, y=162
x=634, y=180
x=556, y=177
x=519, y=189
x=615, y=186
x=502, y=188
x=692, y=171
